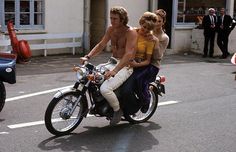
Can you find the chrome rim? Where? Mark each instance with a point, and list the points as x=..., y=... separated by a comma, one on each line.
x=139, y=116
x=60, y=119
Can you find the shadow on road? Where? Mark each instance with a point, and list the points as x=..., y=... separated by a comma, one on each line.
x=123, y=137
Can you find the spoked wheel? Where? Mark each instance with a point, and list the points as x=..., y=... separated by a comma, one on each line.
x=58, y=117
x=140, y=117
x=2, y=95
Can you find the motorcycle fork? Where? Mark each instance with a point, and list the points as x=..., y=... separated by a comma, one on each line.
x=83, y=91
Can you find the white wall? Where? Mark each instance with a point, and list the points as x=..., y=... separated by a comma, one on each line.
x=198, y=42
x=181, y=40
x=135, y=9
x=232, y=42
x=64, y=16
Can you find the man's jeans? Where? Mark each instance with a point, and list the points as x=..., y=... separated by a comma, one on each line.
x=108, y=86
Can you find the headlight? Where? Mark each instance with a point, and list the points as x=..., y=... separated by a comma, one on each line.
x=79, y=72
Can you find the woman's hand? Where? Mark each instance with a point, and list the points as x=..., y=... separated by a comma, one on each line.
x=152, y=37
x=133, y=63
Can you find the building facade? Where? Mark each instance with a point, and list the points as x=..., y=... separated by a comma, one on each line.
x=91, y=18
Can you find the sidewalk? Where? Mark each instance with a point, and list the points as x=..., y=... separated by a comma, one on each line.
x=54, y=64
x=64, y=63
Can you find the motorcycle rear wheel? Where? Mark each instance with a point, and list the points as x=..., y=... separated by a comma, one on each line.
x=57, y=119
x=2, y=95
x=140, y=117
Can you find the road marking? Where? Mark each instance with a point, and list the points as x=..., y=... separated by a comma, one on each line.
x=41, y=122
x=21, y=125
x=4, y=133
x=36, y=94
x=167, y=103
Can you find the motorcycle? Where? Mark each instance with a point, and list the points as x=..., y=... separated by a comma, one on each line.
x=69, y=106
x=7, y=74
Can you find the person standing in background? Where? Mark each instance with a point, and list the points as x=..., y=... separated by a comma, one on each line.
x=209, y=26
x=224, y=23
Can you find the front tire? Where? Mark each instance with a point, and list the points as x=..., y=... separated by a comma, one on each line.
x=57, y=118
x=140, y=117
x=2, y=95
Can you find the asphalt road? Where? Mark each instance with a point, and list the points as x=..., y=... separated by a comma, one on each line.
x=202, y=118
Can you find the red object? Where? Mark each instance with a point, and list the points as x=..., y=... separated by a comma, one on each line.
x=21, y=48
x=162, y=79
x=8, y=55
x=12, y=35
x=24, y=48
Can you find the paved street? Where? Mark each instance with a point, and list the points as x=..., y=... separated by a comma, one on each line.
x=197, y=113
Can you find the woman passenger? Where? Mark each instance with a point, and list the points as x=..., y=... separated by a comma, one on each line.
x=148, y=68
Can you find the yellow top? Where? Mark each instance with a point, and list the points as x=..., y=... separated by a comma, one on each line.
x=144, y=47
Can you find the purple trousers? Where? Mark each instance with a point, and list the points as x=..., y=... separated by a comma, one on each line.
x=142, y=77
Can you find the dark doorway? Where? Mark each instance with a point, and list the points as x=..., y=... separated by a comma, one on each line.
x=167, y=6
x=97, y=21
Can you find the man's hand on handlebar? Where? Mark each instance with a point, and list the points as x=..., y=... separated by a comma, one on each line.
x=83, y=59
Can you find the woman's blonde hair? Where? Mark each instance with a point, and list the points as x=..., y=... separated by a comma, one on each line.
x=121, y=11
x=149, y=20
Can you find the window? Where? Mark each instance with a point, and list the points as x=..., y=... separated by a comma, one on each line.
x=191, y=11
x=25, y=14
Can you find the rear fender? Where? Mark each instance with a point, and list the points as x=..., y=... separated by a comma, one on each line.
x=158, y=88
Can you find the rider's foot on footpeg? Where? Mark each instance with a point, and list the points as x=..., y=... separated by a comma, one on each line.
x=116, y=117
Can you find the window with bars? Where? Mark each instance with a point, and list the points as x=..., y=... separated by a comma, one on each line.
x=25, y=14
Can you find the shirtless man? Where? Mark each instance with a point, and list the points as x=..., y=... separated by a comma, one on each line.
x=123, y=41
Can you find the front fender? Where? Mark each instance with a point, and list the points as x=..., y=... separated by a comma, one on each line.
x=64, y=91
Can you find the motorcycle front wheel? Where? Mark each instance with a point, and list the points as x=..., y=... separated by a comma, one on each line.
x=140, y=117
x=2, y=95
x=58, y=119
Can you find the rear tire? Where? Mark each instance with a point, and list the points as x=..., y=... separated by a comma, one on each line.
x=2, y=95
x=140, y=117
x=56, y=119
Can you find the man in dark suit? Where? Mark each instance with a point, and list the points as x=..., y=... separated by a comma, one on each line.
x=224, y=23
x=209, y=25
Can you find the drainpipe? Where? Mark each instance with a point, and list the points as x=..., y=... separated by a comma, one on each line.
x=230, y=7
x=86, y=27
x=83, y=36
x=152, y=5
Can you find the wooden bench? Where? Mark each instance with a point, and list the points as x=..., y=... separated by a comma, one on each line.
x=53, y=41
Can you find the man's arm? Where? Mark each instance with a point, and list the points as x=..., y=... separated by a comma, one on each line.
x=131, y=41
x=101, y=45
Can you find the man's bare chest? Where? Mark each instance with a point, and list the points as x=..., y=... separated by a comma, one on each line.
x=118, y=39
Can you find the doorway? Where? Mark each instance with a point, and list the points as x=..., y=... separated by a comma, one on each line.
x=97, y=21
x=167, y=6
